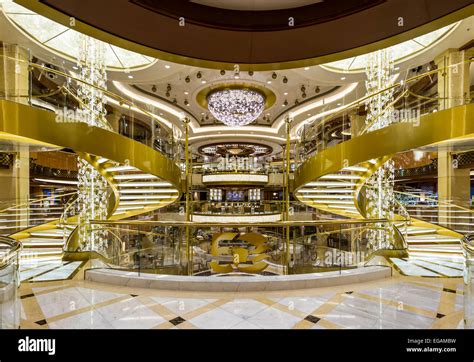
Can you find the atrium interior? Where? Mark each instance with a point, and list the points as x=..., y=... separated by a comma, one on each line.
x=236, y=164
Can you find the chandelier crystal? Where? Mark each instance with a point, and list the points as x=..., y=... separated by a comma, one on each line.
x=380, y=186
x=92, y=186
x=236, y=107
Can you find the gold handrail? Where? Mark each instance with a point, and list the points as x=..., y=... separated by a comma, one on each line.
x=445, y=203
x=105, y=91
x=37, y=200
x=402, y=83
x=243, y=224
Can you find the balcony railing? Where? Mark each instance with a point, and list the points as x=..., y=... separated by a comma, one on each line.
x=9, y=282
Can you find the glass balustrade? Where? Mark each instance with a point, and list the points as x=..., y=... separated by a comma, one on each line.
x=274, y=248
x=54, y=89
x=10, y=306
x=348, y=120
x=468, y=248
x=38, y=210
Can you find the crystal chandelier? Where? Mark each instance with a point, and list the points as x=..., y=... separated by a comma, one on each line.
x=236, y=107
x=92, y=186
x=379, y=192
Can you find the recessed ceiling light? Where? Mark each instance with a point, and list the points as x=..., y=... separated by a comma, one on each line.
x=203, y=81
x=342, y=78
x=339, y=104
x=167, y=66
x=286, y=93
x=306, y=68
x=186, y=92
x=130, y=76
x=269, y=81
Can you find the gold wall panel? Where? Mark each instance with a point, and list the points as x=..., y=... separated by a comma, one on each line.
x=39, y=125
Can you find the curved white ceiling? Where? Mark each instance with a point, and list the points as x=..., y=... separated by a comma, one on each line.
x=401, y=52
x=64, y=41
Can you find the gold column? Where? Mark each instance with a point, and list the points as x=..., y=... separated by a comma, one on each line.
x=453, y=89
x=286, y=214
x=189, y=255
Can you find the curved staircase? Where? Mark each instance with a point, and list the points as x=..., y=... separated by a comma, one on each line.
x=332, y=180
x=140, y=180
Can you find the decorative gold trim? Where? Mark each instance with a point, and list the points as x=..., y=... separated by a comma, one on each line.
x=39, y=126
x=270, y=97
x=269, y=224
x=47, y=11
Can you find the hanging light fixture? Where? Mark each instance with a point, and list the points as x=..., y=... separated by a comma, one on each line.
x=236, y=107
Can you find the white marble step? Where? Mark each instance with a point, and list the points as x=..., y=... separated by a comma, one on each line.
x=414, y=230
x=409, y=268
x=53, y=233
x=432, y=239
x=41, y=242
x=435, y=250
x=30, y=262
x=29, y=253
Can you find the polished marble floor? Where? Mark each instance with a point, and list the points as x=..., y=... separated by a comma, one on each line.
x=398, y=302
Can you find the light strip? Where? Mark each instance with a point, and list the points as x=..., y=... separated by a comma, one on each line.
x=42, y=243
x=237, y=135
x=127, y=203
x=144, y=184
x=121, y=168
x=142, y=176
x=342, y=207
x=236, y=218
x=145, y=197
x=356, y=168
x=329, y=197
x=340, y=177
x=148, y=191
x=53, y=181
x=318, y=183
x=326, y=191
x=130, y=208
x=235, y=178
x=335, y=202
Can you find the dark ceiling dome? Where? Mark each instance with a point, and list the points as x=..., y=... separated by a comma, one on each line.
x=194, y=33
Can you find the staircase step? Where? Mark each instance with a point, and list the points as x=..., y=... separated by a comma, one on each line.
x=32, y=253
x=54, y=233
x=41, y=242
x=414, y=230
